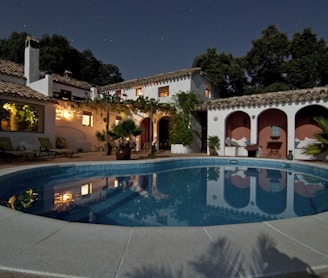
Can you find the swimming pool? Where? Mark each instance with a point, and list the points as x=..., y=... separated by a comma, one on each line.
x=169, y=192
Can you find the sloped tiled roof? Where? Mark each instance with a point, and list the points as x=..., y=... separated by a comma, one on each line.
x=69, y=81
x=11, y=68
x=17, y=90
x=256, y=100
x=159, y=78
x=14, y=69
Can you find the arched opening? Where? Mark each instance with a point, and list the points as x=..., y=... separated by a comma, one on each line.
x=305, y=125
x=144, y=137
x=163, y=133
x=238, y=126
x=270, y=123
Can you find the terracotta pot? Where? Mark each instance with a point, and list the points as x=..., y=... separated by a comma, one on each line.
x=123, y=154
x=212, y=152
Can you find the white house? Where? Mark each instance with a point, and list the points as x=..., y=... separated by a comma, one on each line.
x=62, y=114
x=164, y=87
x=279, y=122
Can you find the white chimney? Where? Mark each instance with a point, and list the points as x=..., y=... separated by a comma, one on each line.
x=93, y=92
x=31, y=63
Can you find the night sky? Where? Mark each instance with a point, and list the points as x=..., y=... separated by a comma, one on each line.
x=148, y=37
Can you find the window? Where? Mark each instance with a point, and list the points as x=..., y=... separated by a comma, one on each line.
x=207, y=90
x=17, y=116
x=118, y=119
x=87, y=119
x=139, y=91
x=163, y=91
x=118, y=93
x=63, y=94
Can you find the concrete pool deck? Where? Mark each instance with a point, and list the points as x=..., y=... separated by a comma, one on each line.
x=32, y=246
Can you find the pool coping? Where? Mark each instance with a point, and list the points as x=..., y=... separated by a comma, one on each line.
x=46, y=247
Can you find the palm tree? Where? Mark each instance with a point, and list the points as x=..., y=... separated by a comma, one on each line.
x=322, y=137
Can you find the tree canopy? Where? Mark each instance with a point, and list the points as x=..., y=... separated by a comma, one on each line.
x=274, y=63
x=57, y=55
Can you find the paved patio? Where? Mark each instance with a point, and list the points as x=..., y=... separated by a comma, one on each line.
x=33, y=246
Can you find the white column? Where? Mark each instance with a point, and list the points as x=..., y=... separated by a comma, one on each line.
x=290, y=130
x=254, y=132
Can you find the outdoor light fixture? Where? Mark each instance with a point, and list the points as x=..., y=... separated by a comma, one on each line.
x=68, y=115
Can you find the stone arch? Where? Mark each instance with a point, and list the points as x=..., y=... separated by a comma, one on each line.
x=267, y=119
x=238, y=125
x=305, y=125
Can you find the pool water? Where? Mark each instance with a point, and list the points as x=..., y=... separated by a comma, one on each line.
x=187, y=196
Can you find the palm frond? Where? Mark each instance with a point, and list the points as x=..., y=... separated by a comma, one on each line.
x=323, y=123
x=312, y=149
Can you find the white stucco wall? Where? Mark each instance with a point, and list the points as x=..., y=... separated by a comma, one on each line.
x=217, y=120
x=196, y=84
x=43, y=86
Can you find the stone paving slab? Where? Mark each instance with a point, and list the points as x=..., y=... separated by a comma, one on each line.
x=171, y=252
x=259, y=250
x=23, y=231
x=75, y=249
x=309, y=232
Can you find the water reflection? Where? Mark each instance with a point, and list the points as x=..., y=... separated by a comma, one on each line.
x=184, y=197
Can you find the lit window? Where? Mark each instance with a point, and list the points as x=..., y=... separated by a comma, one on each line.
x=86, y=189
x=163, y=91
x=17, y=116
x=207, y=90
x=87, y=118
x=118, y=93
x=138, y=91
x=118, y=119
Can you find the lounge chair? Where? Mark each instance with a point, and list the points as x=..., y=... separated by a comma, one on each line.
x=46, y=146
x=9, y=152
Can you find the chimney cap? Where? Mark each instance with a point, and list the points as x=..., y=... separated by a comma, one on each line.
x=31, y=41
x=67, y=73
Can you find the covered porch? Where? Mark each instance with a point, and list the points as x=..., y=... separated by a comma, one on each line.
x=279, y=122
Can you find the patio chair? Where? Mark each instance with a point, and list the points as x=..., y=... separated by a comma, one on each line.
x=46, y=146
x=9, y=152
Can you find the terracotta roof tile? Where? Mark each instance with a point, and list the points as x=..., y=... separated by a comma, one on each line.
x=17, y=90
x=274, y=98
x=69, y=81
x=11, y=68
x=14, y=69
x=159, y=78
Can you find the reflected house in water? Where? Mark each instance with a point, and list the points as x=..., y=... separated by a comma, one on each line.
x=263, y=193
x=185, y=197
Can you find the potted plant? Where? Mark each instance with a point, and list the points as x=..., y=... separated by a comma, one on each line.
x=213, y=143
x=124, y=135
x=181, y=133
x=251, y=149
